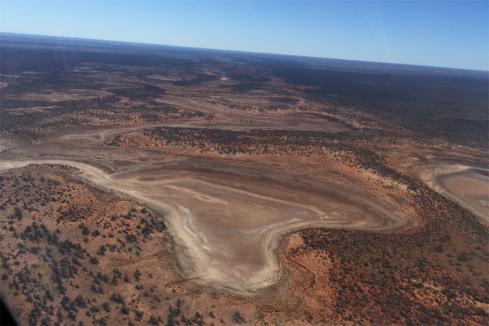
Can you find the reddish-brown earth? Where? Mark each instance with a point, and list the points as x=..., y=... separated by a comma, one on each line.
x=152, y=186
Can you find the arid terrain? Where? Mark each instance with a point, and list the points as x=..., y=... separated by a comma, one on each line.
x=158, y=185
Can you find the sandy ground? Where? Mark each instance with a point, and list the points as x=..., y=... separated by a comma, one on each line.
x=232, y=119
x=229, y=235
x=56, y=96
x=467, y=185
x=329, y=225
x=5, y=144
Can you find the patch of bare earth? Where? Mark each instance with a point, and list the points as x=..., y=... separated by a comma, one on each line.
x=72, y=254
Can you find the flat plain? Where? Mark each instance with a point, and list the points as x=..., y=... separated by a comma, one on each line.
x=145, y=184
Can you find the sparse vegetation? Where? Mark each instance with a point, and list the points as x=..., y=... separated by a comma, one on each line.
x=287, y=128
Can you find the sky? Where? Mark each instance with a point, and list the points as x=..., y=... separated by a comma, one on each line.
x=448, y=33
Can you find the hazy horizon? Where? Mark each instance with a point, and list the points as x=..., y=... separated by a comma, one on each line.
x=59, y=37
x=449, y=34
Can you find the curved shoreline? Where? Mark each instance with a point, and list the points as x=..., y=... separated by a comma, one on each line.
x=433, y=178
x=197, y=257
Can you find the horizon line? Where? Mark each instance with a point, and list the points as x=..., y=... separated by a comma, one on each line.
x=240, y=51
